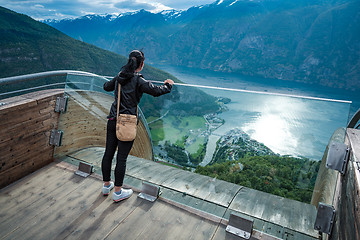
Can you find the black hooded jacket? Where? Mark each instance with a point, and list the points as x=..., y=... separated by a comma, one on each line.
x=132, y=89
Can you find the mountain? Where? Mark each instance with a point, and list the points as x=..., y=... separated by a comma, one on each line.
x=311, y=41
x=28, y=46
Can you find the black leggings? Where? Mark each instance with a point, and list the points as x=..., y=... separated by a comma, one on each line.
x=123, y=151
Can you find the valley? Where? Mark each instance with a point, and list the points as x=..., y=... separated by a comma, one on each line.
x=313, y=42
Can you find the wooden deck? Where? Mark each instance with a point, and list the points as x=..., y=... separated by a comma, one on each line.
x=24, y=137
x=214, y=199
x=54, y=203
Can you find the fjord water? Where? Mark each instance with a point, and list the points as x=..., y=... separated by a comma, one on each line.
x=293, y=126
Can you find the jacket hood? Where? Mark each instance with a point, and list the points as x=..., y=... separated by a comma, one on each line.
x=125, y=77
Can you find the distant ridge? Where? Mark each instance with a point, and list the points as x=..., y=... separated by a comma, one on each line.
x=307, y=41
x=29, y=46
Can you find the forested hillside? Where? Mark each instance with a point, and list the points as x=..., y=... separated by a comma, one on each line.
x=28, y=46
x=284, y=176
x=310, y=41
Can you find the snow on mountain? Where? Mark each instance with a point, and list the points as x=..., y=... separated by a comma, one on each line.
x=233, y=2
x=170, y=14
x=251, y=37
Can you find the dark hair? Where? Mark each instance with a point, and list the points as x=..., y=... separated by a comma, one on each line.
x=136, y=58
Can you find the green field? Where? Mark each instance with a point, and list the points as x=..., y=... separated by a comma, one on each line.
x=185, y=132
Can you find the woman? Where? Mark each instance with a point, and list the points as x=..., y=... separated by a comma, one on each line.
x=133, y=85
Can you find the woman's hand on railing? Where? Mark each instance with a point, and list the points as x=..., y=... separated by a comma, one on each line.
x=169, y=81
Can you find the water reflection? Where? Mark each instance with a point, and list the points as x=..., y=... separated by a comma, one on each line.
x=287, y=125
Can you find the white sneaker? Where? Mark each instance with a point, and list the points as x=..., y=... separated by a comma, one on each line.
x=106, y=190
x=125, y=193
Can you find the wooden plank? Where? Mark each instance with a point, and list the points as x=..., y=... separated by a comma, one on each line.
x=20, y=157
x=25, y=127
x=10, y=168
x=143, y=216
x=49, y=108
x=22, y=127
x=28, y=155
x=22, y=141
x=18, y=104
x=48, y=224
x=18, y=130
x=288, y=213
x=179, y=224
x=16, y=153
x=27, y=114
x=25, y=141
x=37, y=201
x=26, y=187
x=12, y=101
x=101, y=219
x=24, y=169
x=51, y=123
x=196, y=206
x=84, y=128
x=43, y=94
x=162, y=221
x=28, y=100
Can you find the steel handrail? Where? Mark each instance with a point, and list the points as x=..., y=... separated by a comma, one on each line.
x=34, y=76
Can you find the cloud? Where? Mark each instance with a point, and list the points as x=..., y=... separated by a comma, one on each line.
x=59, y=9
x=44, y=9
x=184, y=4
x=134, y=5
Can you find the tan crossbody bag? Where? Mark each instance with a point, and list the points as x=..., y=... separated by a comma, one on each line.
x=126, y=124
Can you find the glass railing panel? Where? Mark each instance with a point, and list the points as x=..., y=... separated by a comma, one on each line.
x=272, y=143
x=84, y=122
x=20, y=88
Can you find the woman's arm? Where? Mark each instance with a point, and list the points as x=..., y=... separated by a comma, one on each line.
x=110, y=85
x=155, y=90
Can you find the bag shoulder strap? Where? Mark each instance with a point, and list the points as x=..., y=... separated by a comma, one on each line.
x=118, y=105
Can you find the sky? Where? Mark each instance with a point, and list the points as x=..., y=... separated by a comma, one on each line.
x=60, y=9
